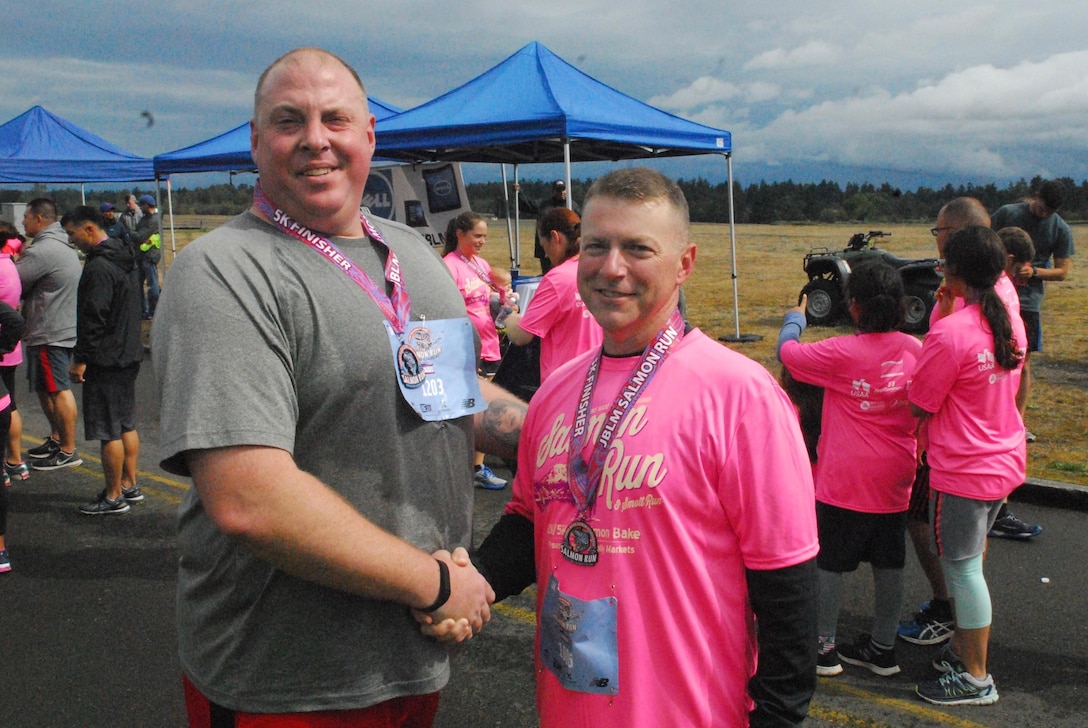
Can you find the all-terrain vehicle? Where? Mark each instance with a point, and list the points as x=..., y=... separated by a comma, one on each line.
x=829, y=270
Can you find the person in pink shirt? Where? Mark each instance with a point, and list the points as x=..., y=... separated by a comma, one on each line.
x=866, y=458
x=663, y=502
x=465, y=237
x=965, y=389
x=557, y=314
x=11, y=291
x=933, y=623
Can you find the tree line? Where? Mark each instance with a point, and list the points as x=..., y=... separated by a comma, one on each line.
x=820, y=202
x=765, y=202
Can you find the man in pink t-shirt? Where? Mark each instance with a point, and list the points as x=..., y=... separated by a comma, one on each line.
x=663, y=502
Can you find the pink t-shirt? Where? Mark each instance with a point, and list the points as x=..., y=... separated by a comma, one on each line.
x=557, y=315
x=477, y=294
x=11, y=290
x=976, y=437
x=866, y=456
x=1006, y=291
x=707, y=477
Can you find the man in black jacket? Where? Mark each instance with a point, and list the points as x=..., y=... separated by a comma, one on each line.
x=107, y=355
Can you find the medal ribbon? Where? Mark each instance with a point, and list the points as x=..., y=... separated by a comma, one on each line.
x=471, y=263
x=586, y=476
x=396, y=307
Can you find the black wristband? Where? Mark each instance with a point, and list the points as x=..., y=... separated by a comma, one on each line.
x=443, y=588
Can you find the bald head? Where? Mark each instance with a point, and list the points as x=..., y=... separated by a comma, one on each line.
x=298, y=57
x=964, y=211
x=956, y=215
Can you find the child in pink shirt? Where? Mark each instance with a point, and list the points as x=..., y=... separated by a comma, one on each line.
x=866, y=458
x=965, y=387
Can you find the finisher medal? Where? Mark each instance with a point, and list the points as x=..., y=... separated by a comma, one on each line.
x=579, y=544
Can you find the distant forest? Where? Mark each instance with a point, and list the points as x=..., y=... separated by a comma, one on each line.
x=823, y=202
x=765, y=202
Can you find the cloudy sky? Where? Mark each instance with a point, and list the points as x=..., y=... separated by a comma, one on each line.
x=925, y=93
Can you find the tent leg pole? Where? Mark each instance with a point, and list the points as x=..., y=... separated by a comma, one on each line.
x=737, y=336
x=509, y=223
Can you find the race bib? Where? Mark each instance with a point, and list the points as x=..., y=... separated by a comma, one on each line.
x=578, y=641
x=435, y=363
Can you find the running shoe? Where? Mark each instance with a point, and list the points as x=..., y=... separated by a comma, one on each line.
x=932, y=624
x=866, y=653
x=59, y=459
x=486, y=479
x=1009, y=526
x=44, y=450
x=103, y=505
x=18, y=471
x=958, y=688
x=827, y=659
x=5, y=562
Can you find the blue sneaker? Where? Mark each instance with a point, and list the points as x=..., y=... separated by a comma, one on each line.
x=5, y=562
x=932, y=625
x=484, y=478
x=1009, y=526
x=958, y=688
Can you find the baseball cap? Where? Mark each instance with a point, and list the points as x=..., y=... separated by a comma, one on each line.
x=560, y=185
x=147, y=200
x=105, y=207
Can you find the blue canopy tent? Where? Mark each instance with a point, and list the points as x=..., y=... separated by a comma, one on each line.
x=534, y=107
x=38, y=146
x=229, y=151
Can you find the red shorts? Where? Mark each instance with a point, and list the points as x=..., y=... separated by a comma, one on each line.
x=413, y=711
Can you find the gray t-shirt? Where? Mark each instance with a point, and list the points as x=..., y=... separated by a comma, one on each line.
x=49, y=270
x=260, y=341
x=1052, y=238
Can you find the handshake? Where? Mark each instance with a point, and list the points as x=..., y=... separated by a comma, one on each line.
x=464, y=600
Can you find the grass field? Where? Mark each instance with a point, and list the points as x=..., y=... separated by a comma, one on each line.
x=769, y=278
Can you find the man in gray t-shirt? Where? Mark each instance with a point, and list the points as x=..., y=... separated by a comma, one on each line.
x=325, y=510
x=1053, y=241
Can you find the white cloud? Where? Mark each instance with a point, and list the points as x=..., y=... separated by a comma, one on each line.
x=812, y=53
x=982, y=120
x=707, y=90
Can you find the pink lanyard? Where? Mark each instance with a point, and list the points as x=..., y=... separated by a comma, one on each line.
x=480, y=273
x=396, y=307
x=586, y=477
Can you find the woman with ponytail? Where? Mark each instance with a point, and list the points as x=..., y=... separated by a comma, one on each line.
x=965, y=390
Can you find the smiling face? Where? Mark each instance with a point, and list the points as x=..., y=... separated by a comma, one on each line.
x=312, y=137
x=470, y=242
x=634, y=257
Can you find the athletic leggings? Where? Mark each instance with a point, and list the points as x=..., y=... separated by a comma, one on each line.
x=967, y=586
x=5, y=424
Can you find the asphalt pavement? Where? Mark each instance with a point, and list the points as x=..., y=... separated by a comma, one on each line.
x=87, y=615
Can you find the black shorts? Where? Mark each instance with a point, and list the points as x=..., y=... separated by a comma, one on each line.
x=1034, y=329
x=7, y=376
x=109, y=402
x=849, y=537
